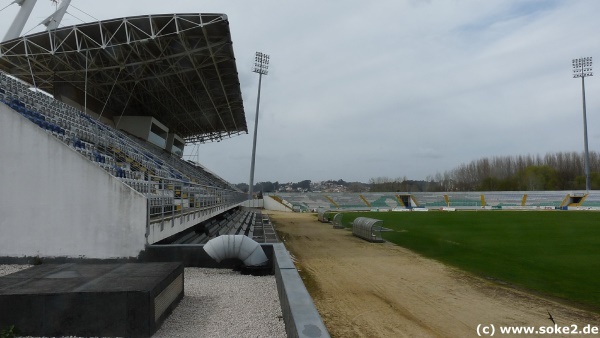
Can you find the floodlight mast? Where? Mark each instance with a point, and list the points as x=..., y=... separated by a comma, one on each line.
x=582, y=67
x=261, y=66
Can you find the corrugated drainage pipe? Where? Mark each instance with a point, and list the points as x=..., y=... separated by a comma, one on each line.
x=236, y=246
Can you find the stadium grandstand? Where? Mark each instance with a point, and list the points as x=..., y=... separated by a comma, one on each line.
x=564, y=200
x=94, y=120
x=381, y=200
x=115, y=102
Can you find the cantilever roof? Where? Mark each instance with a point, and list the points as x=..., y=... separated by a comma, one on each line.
x=178, y=68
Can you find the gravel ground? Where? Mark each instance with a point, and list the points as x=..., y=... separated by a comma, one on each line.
x=219, y=303
x=12, y=268
x=224, y=303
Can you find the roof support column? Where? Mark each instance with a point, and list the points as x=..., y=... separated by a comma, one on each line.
x=55, y=18
x=15, y=29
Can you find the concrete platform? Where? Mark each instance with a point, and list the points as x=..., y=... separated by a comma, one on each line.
x=123, y=299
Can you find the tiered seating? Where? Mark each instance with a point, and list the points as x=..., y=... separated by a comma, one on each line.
x=464, y=199
x=382, y=200
x=546, y=199
x=348, y=200
x=434, y=200
x=234, y=222
x=591, y=201
x=503, y=199
x=431, y=200
x=170, y=184
x=244, y=224
x=299, y=201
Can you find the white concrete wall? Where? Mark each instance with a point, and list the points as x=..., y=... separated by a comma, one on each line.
x=56, y=203
x=271, y=204
x=135, y=125
x=254, y=203
x=178, y=222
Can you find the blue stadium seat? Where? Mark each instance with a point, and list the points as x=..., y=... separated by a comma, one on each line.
x=127, y=158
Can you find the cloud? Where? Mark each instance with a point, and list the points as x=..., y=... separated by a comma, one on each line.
x=428, y=153
x=396, y=88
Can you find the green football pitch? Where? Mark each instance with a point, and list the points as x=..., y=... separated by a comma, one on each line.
x=555, y=253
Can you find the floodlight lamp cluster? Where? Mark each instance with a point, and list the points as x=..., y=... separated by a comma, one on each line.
x=582, y=67
x=261, y=63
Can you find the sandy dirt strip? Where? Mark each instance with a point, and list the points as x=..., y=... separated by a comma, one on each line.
x=364, y=289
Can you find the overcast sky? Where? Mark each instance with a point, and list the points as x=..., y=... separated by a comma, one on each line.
x=363, y=89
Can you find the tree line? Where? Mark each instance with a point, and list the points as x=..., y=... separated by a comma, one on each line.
x=269, y=186
x=554, y=171
x=385, y=184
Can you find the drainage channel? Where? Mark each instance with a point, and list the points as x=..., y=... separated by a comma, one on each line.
x=263, y=229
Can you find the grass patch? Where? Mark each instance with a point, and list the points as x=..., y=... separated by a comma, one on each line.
x=554, y=253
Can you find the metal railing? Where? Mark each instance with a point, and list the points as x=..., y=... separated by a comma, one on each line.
x=169, y=198
x=172, y=186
